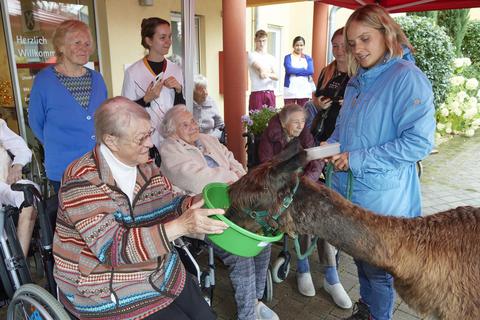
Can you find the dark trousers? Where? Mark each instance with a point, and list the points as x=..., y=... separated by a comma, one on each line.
x=189, y=305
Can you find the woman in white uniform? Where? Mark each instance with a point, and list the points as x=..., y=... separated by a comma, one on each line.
x=153, y=81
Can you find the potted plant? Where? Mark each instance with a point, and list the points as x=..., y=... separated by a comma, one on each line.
x=255, y=123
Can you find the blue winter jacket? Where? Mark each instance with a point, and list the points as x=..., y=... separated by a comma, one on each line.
x=62, y=125
x=386, y=124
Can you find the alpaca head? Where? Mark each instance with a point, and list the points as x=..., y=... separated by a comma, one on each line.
x=265, y=187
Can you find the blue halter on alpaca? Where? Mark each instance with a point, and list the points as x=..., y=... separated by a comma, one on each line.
x=259, y=216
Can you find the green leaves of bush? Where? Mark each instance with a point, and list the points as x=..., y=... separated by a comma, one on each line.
x=433, y=52
x=471, y=42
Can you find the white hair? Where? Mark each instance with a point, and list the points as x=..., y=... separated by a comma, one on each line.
x=167, y=127
x=200, y=80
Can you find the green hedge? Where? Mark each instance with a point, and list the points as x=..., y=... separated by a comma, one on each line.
x=471, y=42
x=434, y=52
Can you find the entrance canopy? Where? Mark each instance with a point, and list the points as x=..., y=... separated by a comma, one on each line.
x=391, y=5
x=407, y=5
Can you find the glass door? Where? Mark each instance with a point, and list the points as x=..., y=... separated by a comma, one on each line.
x=7, y=102
x=30, y=26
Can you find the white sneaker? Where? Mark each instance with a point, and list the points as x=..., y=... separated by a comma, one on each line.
x=262, y=312
x=338, y=294
x=305, y=284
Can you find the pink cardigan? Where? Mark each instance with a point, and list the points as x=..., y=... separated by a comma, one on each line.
x=185, y=166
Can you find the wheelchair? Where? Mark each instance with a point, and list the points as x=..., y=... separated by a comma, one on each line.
x=25, y=299
x=189, y=250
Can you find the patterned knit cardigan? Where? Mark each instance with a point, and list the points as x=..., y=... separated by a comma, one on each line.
x=112, y=258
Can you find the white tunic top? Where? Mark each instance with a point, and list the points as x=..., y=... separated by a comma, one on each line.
x=136, y=81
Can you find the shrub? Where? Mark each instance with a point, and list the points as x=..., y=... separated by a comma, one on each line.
x=460, y=112
x=471, y=42
x=433, y=52
x=455, y=23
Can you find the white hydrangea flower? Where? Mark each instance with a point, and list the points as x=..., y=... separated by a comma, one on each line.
x=476, y=122
x=457, y=80
x=458, y=62
x=469, y=132
x=461, y=95
x=444, y=112
x=457, y=111
x=467, y=62
x=455, y=105
x=448, y=130
x=440, y=126
x=470, y=113
x=472, y=101
x=471, y=84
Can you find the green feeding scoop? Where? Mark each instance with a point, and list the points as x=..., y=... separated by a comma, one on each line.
x=234, y=239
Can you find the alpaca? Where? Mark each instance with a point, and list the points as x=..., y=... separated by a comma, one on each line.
x=435, y=260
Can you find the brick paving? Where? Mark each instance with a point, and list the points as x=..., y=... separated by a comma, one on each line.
x=450, y=178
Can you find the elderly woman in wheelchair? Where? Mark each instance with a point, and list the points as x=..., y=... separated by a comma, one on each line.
x=191, y=160
x=117, y=218
x=14, y=155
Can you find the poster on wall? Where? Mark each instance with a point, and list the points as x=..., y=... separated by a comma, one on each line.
x=33, y=24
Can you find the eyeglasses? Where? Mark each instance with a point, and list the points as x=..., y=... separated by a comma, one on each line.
x=141, y=141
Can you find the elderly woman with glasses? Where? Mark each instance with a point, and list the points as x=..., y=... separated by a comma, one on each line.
x=117, y=218
x=191, y=160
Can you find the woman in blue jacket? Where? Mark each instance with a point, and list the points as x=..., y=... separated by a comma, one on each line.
x=298, y=84
x=385, y=126
x=64, y=98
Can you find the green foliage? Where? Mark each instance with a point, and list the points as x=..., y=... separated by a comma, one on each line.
x=455, y=23
x=433, y=52
x=428, y=14
x=471, y=42
x=257, y=120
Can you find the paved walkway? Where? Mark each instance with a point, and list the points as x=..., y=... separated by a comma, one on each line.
x=450, y=178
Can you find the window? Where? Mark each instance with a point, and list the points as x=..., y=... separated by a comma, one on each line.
x=177, y=55
x=274, y=48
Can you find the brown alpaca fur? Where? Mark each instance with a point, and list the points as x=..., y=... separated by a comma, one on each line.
x=435, y=260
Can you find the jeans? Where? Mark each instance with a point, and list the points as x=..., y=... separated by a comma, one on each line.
x=326, y=254
x=376, y=290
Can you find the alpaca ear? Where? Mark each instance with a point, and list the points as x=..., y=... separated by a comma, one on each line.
x=291, y=158
x=291, y=149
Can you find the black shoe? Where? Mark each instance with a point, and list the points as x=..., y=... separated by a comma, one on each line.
x=360, y=312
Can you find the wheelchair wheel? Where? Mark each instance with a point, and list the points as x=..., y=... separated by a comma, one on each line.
x=33, y=302
x=268, y=293
x=280, y=269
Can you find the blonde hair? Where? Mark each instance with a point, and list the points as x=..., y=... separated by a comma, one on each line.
x=64, y=28
x=376, y=17
x=115, y=115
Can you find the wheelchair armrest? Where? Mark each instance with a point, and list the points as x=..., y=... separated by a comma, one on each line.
x=29, y=192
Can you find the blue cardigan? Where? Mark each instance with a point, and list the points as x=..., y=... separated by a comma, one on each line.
x=63, y=126
x=289, y=70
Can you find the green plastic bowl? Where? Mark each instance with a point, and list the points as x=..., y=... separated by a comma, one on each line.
x=234, y=239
